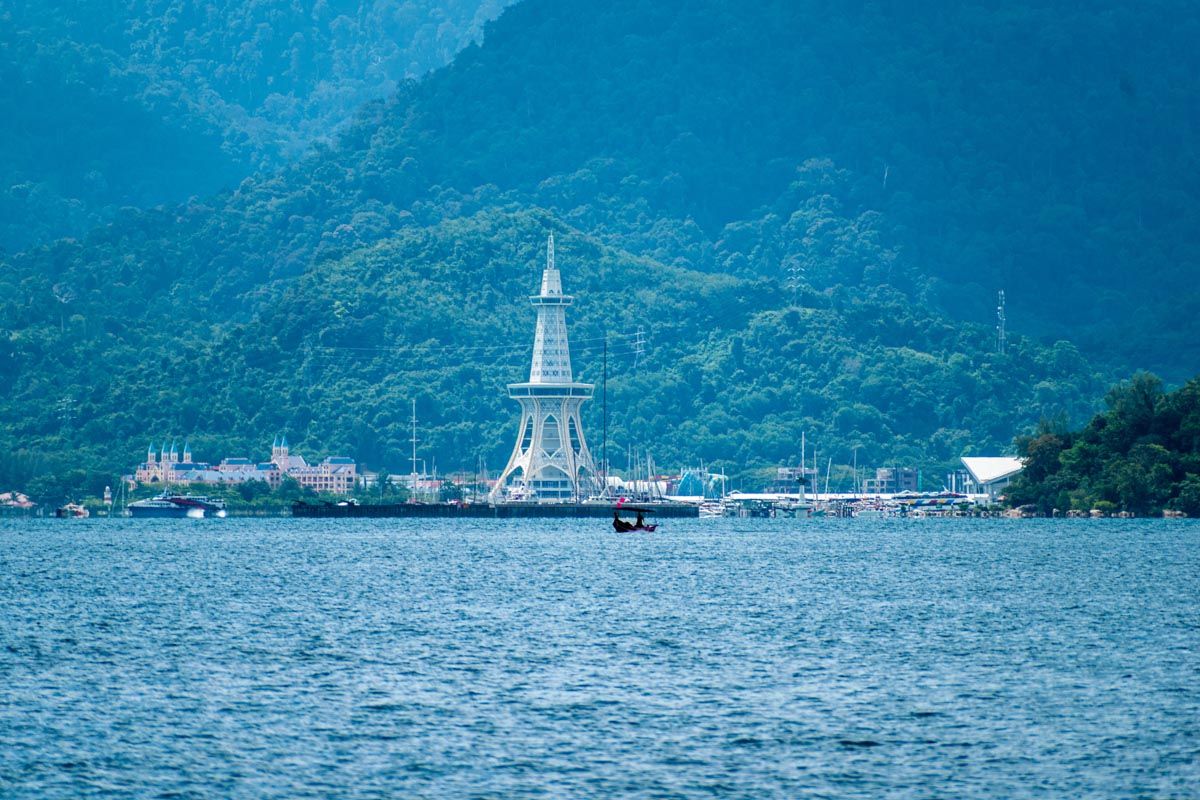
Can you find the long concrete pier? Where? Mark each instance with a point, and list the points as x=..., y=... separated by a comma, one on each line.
x=486, y=510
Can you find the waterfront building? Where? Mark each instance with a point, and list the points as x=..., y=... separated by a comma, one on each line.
x=792, y=479
x=550, y=461
x=336, y=475
x=164, y=466
x=16, y=500
x=893, y=480
x=989, y=476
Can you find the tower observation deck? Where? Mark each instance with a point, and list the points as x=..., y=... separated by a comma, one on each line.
x=551, y=461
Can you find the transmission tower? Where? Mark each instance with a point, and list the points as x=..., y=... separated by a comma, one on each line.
x=795, y=276
x=1001, y=333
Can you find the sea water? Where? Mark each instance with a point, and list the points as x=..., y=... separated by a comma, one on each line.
x=555, y=658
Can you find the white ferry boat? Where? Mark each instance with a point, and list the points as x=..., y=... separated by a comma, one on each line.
x=178, y=505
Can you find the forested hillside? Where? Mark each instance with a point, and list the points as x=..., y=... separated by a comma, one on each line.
x=807, y=209
x=139, y=102
x=1141, y=456
x=1045, y=151
x=732, y=373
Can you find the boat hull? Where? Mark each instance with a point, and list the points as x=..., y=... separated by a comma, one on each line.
x=177, y=512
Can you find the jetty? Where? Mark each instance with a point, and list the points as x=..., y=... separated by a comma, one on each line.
x=482, y=510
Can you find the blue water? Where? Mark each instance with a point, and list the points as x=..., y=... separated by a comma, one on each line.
x=715, y=658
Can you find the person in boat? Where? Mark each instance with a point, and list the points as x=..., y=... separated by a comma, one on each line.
x=641, y=522
x=620, y=525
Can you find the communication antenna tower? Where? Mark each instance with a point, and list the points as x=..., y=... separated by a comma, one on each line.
x=1001, y=333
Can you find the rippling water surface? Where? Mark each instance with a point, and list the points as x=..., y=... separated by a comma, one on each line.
x=723, y=658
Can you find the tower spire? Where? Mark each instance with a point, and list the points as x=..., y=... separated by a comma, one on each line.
x=551, y=460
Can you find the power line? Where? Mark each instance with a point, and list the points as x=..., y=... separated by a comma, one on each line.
x=466, y=350
x=489, y=359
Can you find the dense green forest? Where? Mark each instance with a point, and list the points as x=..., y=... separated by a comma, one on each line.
x=805, y=208
x=733, y=372
x=139, y=102
x=1021, y=147
x=1142, y=455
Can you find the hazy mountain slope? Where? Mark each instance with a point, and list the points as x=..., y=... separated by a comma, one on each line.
x=141, y=102
x=1048, y=152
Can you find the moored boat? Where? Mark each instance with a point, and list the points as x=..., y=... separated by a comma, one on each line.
x=71, y=510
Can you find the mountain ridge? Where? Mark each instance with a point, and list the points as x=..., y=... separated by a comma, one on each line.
x=139, y=103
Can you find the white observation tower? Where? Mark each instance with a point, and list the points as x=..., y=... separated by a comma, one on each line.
x=551, y=461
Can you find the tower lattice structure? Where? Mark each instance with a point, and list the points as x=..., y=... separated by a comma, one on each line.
x=551, y=461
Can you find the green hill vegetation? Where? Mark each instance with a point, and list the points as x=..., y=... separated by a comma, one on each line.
x=999, y=146
x=806, y=209
x=135, y=103
x=1142, y=455
x=734, y=370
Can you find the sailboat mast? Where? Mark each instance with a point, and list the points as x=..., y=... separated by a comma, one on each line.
x=414, y=446
x=604, y=405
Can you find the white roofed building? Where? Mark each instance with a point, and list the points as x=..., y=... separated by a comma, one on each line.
x=990, y=475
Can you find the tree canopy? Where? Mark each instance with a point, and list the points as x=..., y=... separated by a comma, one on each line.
x=1142, y=455
x=140, y=102
x=806, y=209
